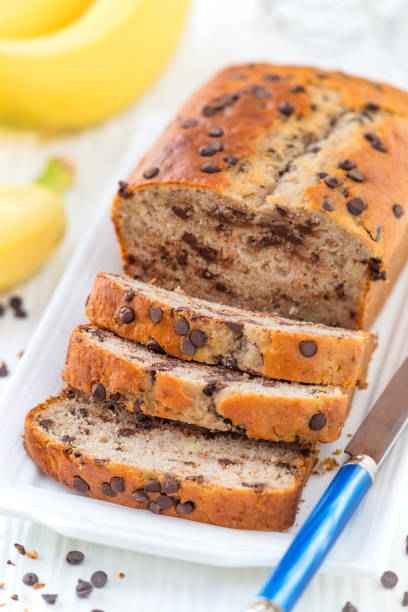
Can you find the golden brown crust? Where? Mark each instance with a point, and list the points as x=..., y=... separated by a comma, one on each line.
x=248, y=107
x=272, y=510
x=339, y=359
x=277, y=418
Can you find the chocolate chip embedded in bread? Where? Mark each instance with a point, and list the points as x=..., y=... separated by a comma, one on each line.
x=356, y=206
x=328, y=206
x=210, y=389
x=198, y=338
x=211, y=149
x=346, y=164
x=185, y=507
x=332, y=182
x=124, y=191
x=271, y=77
x=152, y=486
x=297, y=89
x=107, y=490
x=118, y=484
x=80, y=485
x=210, y=168
x=126, y=314
x=140, y=496
x=375, y=269
x=164, y=501
x=356, y=176
x=187, y=347
x=150, y=173
x=237, y=328
x=216, y=132
x=286, y=109
x=317, y=421
x=372, y=107
x=189, y=123
x=170, y=485
x=398, y=210
x=308, y=348
x=46, y=424
x=375, y=142
x=98, y=392
x=155, y=347
x=181, y=326
x=231, y=160
x=155, y=508
x=155, y=314
x=129, y=295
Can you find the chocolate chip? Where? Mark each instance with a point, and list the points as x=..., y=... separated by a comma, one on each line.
x=98, y=392
x=128, y=295
x=356, y=175
x=107, y=490
x=297, y=89
x=210, y=168
x=189, y=123
x=210, y=388
x=286, y=109
x=308, y=348
x=99, y=579
x=14, y=597
x=346, y=164
x=211, y=149
x=219, y=104
x=140, y=496
x=164, y=502
x=46, y=424
x=118, y=484
x=155, y=314
x=185, y=507
x=328, y=206
x=231, y=160
x=322, y=175
x=124, y=190
x=187, y=347
x=375, y=142
x=170, y=485
x=349, y=608
x=372, y=107
x=181, y=327
x=398, y=211
x=20, y=548
x=404, y=602
x=154, y=507
x=83, y=589
x=198, y=338
x=378, y=233
x=271, y=77
x=260, y=92
x=152, y=486
x=331, y=182
x=155, y=347
x=20, y=313
x=137, y=406
x=75, y=557
x=389, y=580
x=16, y=302
x=356, y=206
x=49, y=598
x=374, y=267
x=216, y=132
x=80, y=485
x=126, y=314
x=2, y=309
x=317, y=421
x=182, y=213
x=30, y=579
x=150, y=173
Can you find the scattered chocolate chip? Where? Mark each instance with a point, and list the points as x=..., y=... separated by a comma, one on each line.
x=331, y=182
x=152, y=486
x=375, y=142
x=20, y=313
x=181, y=327
x=128, y=295
x=346, y=164
x=374, y=266
x=107, y=490
x=271, y=77
x=308, y=348
x=49, y=598
x=75, y=557
x=2, y=310
x=99, y=579
x=210, y=168
x=349, y=608
x=155, y=347
x=389, y=580
x=260, y=92
x=154, y=507
x=398, y=211
x=182, y=213
x=83, y=589
x=187, y=347
x=356, y=175
x=220, y=104
x=150, y=173
x=14, y=597
x=211, y=149
x=322, y=175
x=80, y=485
x=328, y=206
x=404, y=602
x=164, y=502
x=286, y=109
x=170, y=485
x=189, y=123
x=216, y=132
x=198, y=338
x=210, y=388
x=4, y=371
x=124, y=190
x=297, y=89
x=15, y=302
x=231, y=160
x=20, y=548
x=30, y=579
x=372, y=107
x=46, y=424
x=140, y=496
x=318, y=421
x=185, y=507
x=155, y=314
x=356, y=206
x=117, y=484
x=98, y=392
x=126, y=314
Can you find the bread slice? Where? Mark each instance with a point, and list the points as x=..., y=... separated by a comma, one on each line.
x=101, y=364
x=219, y=478
x=257, y=343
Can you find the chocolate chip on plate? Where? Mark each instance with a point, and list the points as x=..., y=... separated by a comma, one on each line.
x=155, y=314
x=83, y=588
x=75, y=557
x=404, y=602
x=49, y=598
x=16, y=302
x=4, y=371
x=349, y=607
x=98, y=392
x=99, y=579
x=126, y=314
x=30, y=579
x=389, y=579
x=308, y=348
x=317, y=421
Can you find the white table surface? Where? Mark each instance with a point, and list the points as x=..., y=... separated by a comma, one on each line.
x=218, y=32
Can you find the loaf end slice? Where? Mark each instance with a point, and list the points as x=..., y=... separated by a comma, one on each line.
x=110, y=368
x=257, y=343
x=185, y=472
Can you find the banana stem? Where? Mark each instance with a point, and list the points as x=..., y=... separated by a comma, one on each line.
x=58, y=175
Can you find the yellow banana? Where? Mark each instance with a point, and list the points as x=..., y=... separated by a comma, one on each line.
x=90, y=69
x=27, y=18
x=32, y=222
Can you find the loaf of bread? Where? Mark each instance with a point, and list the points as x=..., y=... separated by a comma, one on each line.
x=276, y=188
x=109, y=368
x=219, y=478
x=194, y=329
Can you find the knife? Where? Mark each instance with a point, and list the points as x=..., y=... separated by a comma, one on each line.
x=367, y=450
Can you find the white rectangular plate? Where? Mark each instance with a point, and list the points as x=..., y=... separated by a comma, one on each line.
x=25, y=492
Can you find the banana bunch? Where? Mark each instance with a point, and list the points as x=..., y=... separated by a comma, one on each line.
x=32, y=222
x=85, y=61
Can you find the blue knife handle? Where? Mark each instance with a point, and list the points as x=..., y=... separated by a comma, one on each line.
x=317, y=536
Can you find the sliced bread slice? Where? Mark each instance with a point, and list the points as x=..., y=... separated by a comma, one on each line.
x=194, y=329
x=106, y=366
x=219, y=478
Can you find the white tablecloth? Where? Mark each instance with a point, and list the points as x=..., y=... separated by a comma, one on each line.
x=218, y=33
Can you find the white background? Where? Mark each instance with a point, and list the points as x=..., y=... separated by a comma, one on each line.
x=367, y=37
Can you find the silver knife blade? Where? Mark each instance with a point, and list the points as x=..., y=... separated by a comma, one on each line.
x=380, y=429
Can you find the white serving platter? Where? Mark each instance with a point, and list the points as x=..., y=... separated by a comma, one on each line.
x=25, y=492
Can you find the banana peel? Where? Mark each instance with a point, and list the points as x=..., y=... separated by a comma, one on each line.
x=91, y=69
x=32, y=222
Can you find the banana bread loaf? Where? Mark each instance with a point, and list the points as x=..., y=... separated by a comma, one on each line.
x=276, y=188
x=219, y=478
x=107, y=367
x=194, y=329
